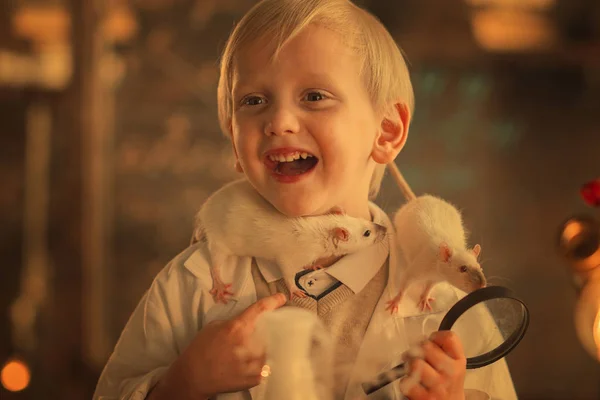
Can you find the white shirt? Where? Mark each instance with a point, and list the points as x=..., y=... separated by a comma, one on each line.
x=177, y=305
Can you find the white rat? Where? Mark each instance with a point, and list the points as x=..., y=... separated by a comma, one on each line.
x=237, y=221
x=431, y=235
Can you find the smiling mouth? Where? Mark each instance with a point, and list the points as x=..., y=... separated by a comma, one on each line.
x=290, y=164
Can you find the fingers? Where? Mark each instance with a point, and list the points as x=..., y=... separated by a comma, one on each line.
x=247, y=354
x=250, y=315
x=438, y=359
x=429, y=377
x=255, y=366
x=415, y=392
x=449, y=343
x=250, y=363
x=411, y=387
x=437, y=369
x=424, y=382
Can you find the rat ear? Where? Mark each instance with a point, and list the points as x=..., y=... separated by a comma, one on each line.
x=476, y=250
x=341, y=234
x=445, y=252
x=337, y=210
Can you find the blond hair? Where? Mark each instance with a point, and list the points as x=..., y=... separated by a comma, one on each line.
x=383, y=68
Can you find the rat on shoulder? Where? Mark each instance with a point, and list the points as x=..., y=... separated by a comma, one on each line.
x=431, y=236
x=237, y=221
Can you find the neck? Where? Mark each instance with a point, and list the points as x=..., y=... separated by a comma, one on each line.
x=357, y=210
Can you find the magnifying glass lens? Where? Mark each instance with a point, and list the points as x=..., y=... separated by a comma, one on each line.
x=497, y=320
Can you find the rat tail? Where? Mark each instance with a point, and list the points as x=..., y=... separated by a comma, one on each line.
x=402, y=184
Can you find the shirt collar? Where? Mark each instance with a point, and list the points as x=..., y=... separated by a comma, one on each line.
x=353, y=270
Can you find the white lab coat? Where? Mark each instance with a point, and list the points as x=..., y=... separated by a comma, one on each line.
x=178, y=304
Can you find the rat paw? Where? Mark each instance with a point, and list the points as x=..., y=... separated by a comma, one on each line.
x=299, y=293
x=392, y=306
x=313, y=267
x=424, y=304
x=220, y=292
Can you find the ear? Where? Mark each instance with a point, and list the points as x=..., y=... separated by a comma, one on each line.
x=337, y=210
x=476, y=250
x=445, y=252
x=237, y=166
x=230, y=129
x=392, y=134
x=341, y=234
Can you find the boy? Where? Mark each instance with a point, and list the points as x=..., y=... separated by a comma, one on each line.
x=316, y=98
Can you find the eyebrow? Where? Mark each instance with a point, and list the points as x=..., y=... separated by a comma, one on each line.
x=315, y=79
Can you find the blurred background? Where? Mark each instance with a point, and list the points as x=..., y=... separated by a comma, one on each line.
x=109, y=143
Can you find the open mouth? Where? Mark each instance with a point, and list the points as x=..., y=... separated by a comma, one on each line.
x=291, y=164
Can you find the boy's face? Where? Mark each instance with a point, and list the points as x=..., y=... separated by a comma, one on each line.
x=310, y=102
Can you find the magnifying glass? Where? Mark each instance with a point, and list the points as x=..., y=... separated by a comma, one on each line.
x=490, y=322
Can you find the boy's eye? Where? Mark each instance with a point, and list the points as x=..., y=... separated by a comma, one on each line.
x=252, y=101
x=314, y=96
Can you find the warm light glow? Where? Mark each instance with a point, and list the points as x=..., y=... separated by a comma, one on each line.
x=52, y=24
x=579, y=244
x=587, y=317
x=15, y=376
x=531, y=4
x=266, y=371
x=120, y=24
x=499, y=29
x=43, y=24
x=571, y=229
x=596, y=334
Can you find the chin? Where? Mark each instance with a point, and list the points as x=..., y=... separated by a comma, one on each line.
x=296, y=204
x=307, y=196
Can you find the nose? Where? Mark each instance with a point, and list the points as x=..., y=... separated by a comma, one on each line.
x=281, y=121
x=478, y=279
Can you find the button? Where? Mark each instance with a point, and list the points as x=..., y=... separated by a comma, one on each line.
x=316, y=282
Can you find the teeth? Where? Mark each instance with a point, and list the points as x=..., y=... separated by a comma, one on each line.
x=289, y=157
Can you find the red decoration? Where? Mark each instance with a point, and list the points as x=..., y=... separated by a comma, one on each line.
x=591, y=193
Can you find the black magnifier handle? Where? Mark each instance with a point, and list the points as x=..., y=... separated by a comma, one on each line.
x=384, y=378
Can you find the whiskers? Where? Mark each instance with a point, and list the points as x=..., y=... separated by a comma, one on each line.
x=497, y=280
x=494, y=280
x=386, y=238
x=387, y=235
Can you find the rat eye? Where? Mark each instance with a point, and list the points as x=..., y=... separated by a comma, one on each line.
x=367, y=233
x=463, y=268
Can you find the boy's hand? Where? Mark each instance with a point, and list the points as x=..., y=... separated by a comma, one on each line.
x=220, y=359
x=440, y=374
